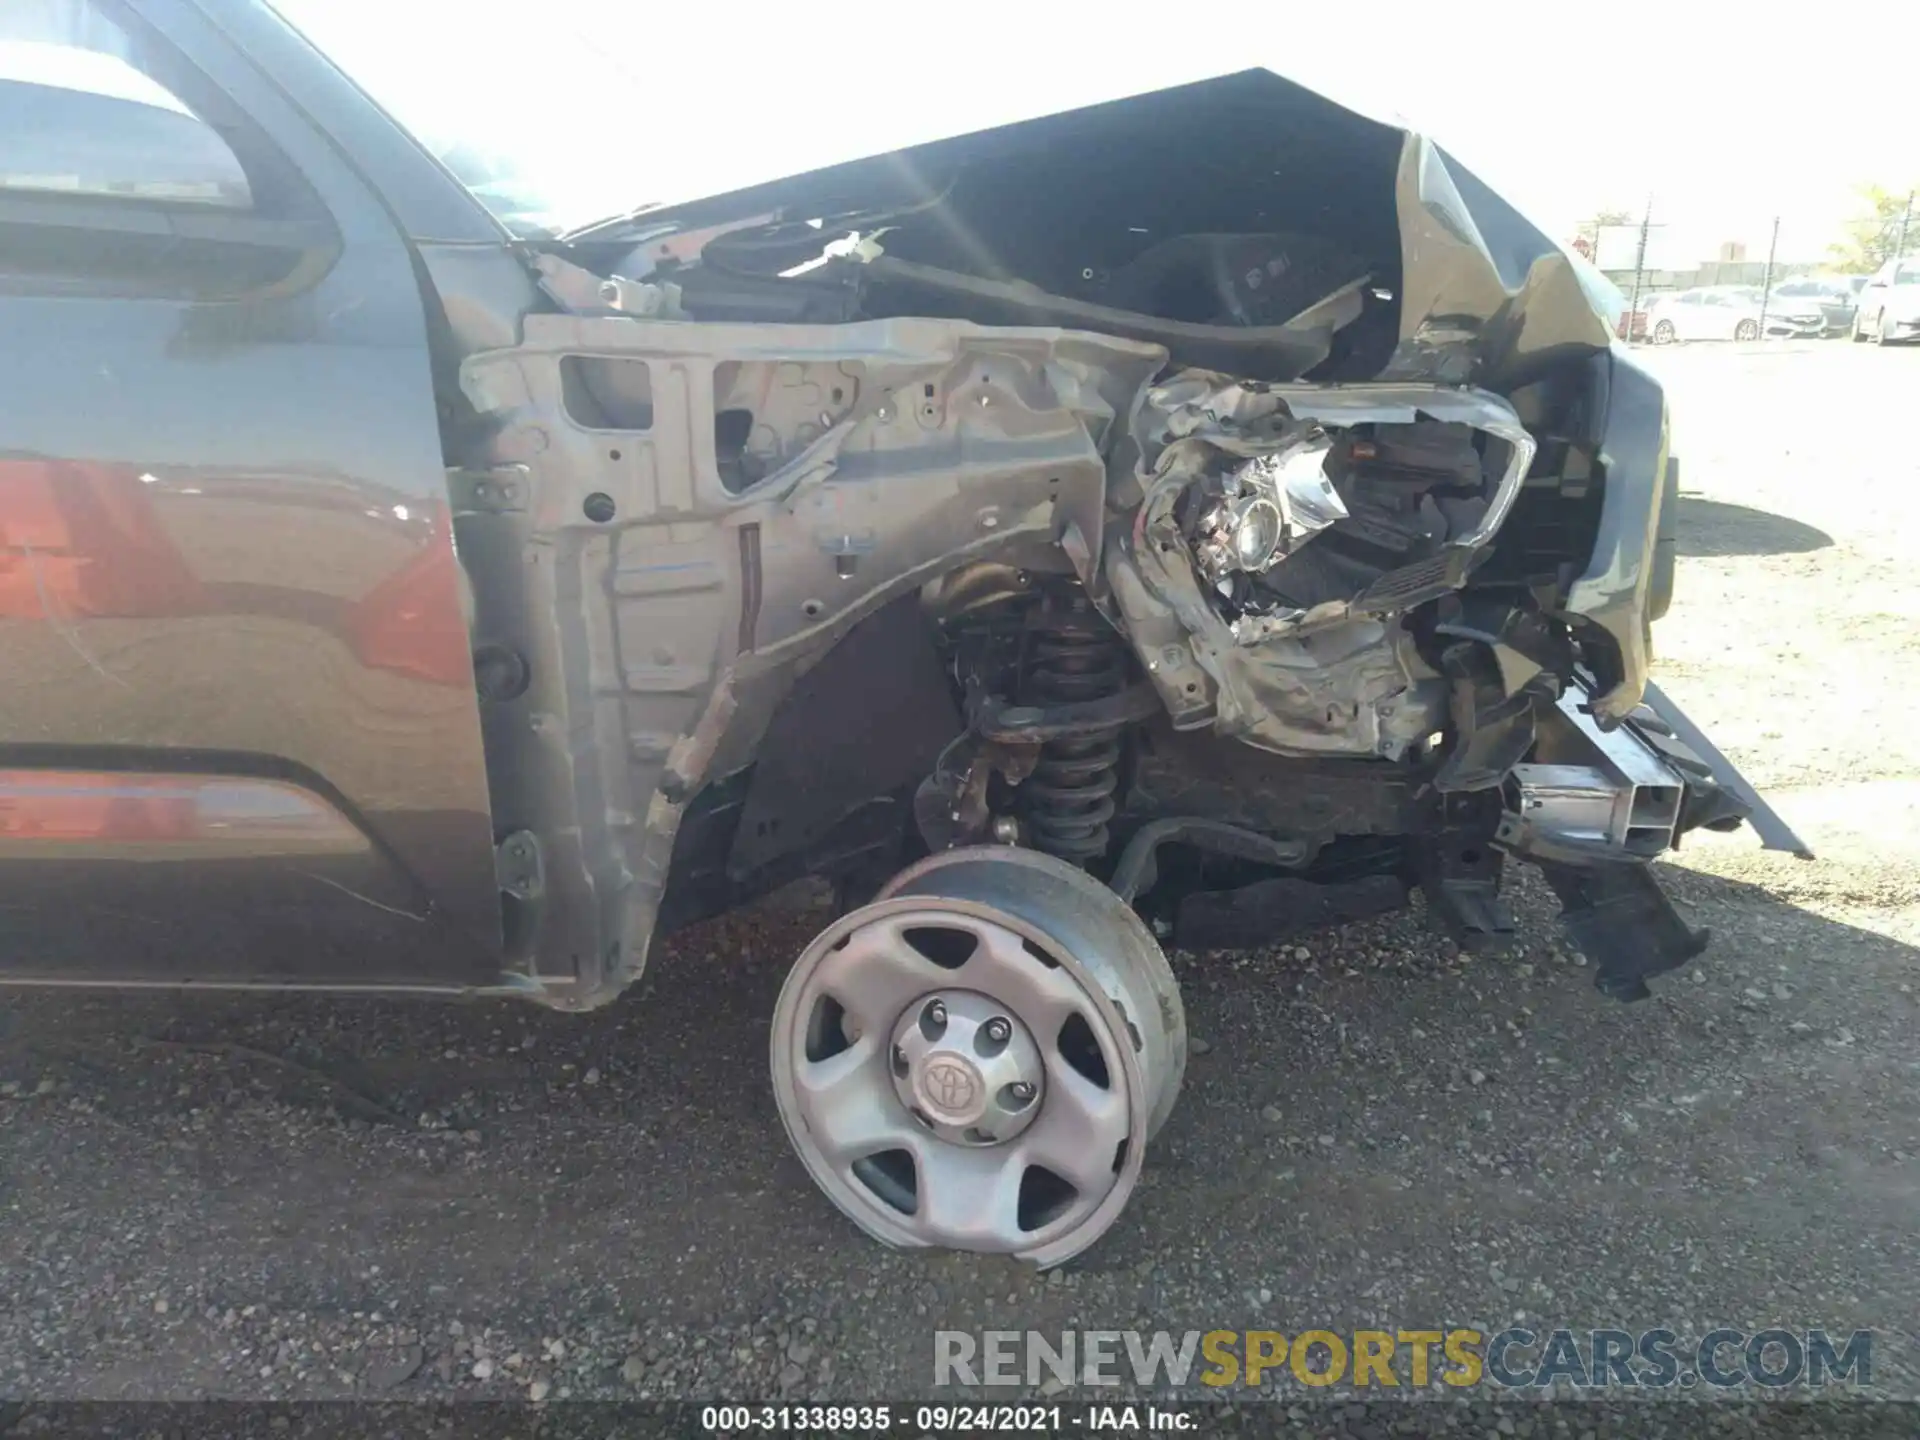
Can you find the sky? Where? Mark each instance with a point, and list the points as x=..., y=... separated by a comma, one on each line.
x=1722, y=117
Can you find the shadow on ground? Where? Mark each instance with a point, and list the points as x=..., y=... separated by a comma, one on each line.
x=1715, y=528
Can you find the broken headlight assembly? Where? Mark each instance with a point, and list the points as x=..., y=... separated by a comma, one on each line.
x=1262, y=510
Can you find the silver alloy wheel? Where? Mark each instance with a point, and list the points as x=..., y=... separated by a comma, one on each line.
x=977, y=1060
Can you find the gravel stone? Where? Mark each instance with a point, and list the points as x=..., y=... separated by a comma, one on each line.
x=393, y=1368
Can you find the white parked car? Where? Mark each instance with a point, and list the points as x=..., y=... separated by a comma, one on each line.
x=1890, y=304
x=1732, y=312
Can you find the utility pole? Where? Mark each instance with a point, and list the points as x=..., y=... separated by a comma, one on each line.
x=1766, y=283
x=1639, y=265
x=1905, y=220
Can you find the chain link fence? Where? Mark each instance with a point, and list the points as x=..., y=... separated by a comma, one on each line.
x=1757, y=275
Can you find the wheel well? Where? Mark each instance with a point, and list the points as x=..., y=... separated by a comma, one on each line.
x=830, y=787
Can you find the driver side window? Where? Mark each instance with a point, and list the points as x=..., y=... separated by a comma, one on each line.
x=125, y=171
x=78, y=118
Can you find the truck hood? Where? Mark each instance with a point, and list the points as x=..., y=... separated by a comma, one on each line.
x=1079, y=204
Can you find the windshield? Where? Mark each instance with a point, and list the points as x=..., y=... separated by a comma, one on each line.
x=541, y=125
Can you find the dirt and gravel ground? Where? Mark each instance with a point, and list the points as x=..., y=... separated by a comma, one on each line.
x=494, y=1201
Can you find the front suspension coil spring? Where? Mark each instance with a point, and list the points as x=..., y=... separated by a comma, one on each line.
x=1073, y=655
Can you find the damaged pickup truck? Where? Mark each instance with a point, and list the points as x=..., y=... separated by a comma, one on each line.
x=1177, y=522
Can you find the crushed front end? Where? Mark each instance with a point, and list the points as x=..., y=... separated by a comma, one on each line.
x=1191, y=520
x=1218, y=493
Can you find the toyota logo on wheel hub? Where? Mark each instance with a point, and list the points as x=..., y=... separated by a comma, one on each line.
x=951, y=1087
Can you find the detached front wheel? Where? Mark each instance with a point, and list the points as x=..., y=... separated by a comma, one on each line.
x=977, y=1060
x=1663, y=333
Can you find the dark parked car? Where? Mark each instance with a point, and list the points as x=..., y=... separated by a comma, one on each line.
x=410, y=585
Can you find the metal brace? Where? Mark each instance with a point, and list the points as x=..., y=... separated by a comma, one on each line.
x=504, y=489
x=519, y=868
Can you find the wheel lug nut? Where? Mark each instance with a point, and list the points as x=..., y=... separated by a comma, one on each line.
x=998, y=1030
x=937, y=1013
x=1021, y=1091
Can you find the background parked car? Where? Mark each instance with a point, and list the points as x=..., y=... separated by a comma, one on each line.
x=1890, y=304
x=1833, y=295
x=1793, y=317
x=1730, y=312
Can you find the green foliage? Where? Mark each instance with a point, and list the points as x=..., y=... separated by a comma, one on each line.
x=1872, y=236
x=1590, y=229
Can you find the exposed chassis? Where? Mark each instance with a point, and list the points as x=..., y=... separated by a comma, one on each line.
x=665, y=609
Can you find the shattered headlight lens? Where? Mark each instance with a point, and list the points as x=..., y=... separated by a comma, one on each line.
x=1257, y=531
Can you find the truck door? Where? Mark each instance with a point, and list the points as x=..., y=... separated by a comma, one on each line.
x=239, y=739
